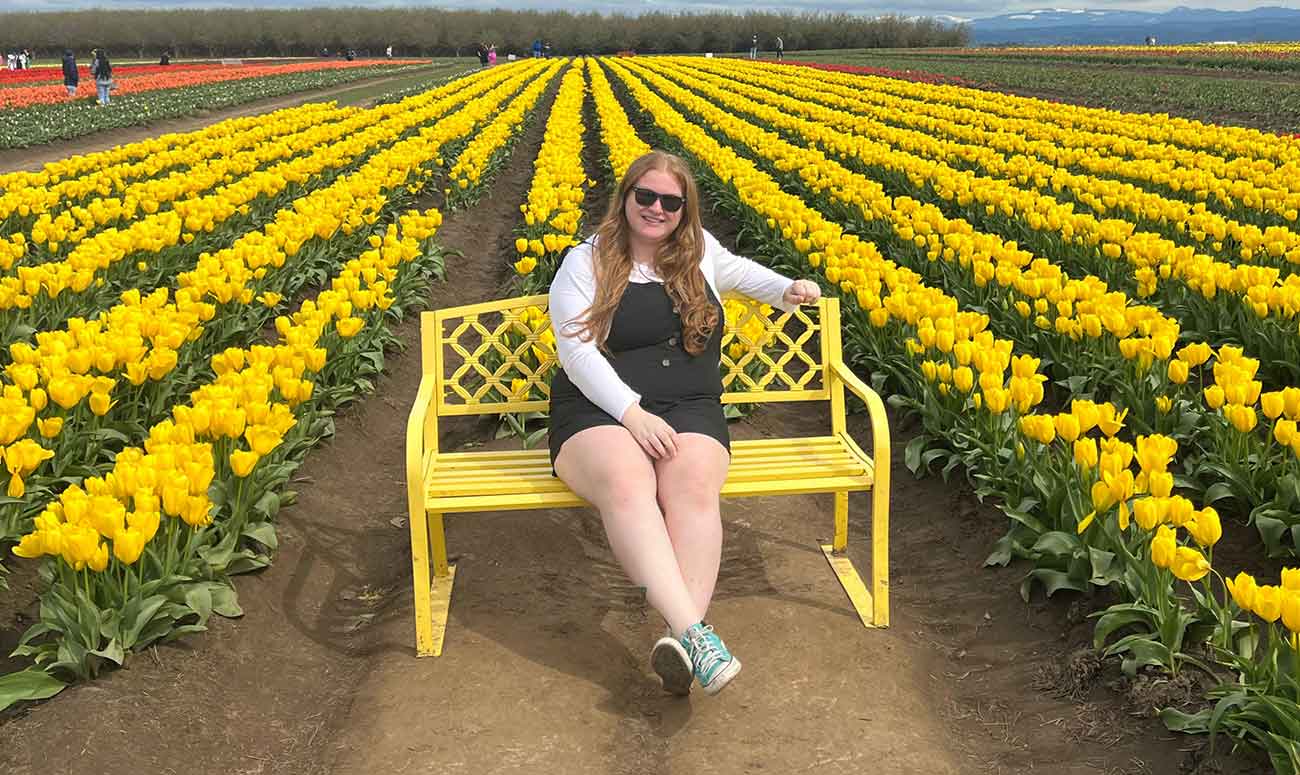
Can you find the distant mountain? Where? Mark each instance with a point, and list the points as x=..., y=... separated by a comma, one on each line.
x=1098, y=27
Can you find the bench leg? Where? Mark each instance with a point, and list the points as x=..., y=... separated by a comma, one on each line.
x=432, y=595
x=880, y=551
x=843, y=568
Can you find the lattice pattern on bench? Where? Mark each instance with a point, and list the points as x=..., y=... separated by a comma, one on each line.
x=500, y=357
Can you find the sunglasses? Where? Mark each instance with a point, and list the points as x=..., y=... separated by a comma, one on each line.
x=645, y=197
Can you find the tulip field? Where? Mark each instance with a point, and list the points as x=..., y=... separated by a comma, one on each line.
x=1091, y=316
x=35, y=107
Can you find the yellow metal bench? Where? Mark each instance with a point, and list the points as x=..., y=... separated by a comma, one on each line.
x=497, y=358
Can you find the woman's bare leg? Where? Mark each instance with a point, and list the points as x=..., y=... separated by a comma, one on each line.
x=689, y=484
x=607, y=468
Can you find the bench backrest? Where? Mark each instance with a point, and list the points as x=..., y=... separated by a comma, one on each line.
x=498, y=357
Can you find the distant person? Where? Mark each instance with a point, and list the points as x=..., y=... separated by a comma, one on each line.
x=24, y=59
x=492, y=54
x=537, y=48
x=166, y=58
x=388, y=52
x=753, y=48
x=351, y=55
x=70, y=77
x=780, y=49
x=102, y=70
x=481, y=50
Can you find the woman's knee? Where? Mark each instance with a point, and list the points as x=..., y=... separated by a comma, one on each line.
x=607, y=468
x=694, y=477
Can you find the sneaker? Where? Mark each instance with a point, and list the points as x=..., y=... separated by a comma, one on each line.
x=670, y=660
x=714, y=665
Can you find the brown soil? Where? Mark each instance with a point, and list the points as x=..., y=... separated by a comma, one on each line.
x=34, y=158
x=544, y=668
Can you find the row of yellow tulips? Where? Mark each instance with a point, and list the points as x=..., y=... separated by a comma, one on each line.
x=1092, y=333
x=995, y=151
x=64, y=387
x=105, y=172
x=552, y=210
x=212, y=166
x=1229, y=151
x=474, y=164
x=1108, y=523
x=85, y=264
x=1252, y=188
x=1150, y=255
x=145, y=551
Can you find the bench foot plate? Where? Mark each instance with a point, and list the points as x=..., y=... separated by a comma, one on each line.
x=849, y=579
x=439, y=608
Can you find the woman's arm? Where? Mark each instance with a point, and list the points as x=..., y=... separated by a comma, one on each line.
x=742, y=275
x=572, y=292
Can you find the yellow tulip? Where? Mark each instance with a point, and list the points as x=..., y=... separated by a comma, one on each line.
x=1205, y=527
x=1272, y=404
x=1242, y=589
x=1149, y=512
x=128, y=545
x=1067, y=427
x=1291, y=609
x=1085, y=454
x=262, y=439
x=1164, y=547
x=1267, y=604
x=349, y=326
x=243, y=461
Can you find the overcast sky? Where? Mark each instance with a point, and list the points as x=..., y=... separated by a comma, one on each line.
x=960, y=8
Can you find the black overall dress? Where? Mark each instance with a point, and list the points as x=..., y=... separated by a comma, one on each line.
x=645, y=347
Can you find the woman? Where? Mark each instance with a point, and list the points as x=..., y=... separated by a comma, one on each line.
x=102, y=71
x=70, y=76
x=637, y=428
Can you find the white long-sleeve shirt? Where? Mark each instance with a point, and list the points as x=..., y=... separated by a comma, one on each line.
x=574, y=289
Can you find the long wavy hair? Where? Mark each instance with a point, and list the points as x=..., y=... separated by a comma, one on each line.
x=677, y=260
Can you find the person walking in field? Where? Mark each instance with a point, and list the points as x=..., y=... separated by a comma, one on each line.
x=482, y=52
x=753, y=47
x=636, y=423
x=388, y=52
x=780, y=49
x=70, y=76
x=102, y=71
x=492, y=54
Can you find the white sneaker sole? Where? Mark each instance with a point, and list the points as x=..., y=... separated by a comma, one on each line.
x=671, y=662
x=723, y=677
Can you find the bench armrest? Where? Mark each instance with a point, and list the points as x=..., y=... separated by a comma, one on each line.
x=417, y=426
x=875, y=410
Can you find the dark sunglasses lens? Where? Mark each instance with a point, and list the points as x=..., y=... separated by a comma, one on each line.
x=645, y=197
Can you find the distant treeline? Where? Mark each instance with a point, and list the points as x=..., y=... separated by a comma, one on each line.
x=434, y=32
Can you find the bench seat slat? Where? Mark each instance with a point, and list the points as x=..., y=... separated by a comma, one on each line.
x=520, y=479
x=541, y=466
x=496, y=456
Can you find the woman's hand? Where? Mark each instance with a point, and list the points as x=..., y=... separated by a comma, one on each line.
x=802, y=292
x=655, y=436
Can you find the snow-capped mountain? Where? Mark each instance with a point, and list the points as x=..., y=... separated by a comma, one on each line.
x=1107, y=26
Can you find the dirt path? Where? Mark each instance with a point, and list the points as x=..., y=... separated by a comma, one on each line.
x=34, y=158
x=544, y=668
